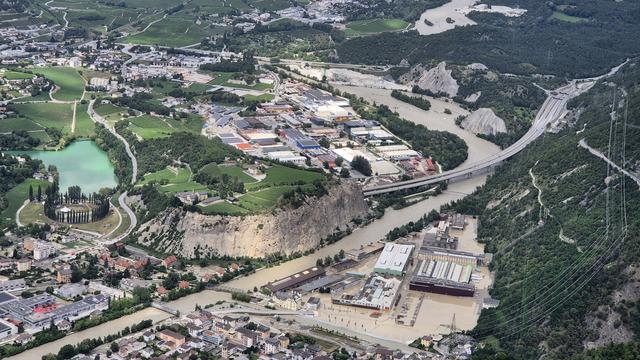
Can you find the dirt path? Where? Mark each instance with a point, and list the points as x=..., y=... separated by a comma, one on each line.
x=73, y=119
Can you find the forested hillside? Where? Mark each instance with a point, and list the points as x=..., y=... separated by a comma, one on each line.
x=549, y=39
x=564, y=229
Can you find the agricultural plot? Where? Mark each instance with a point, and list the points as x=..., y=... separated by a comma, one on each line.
x=224, y=208
x=167, y=176
x=374, y=26
x=110, y=112
x=171, y=31
x=263, y=195
x=85, y=127
x=46, y=115
x=172, y=180
x=262, y=199
x=153, y=127
x=69, y=81
x=18, y=123
x=150, y=127
x=15, y=75
x=279, y=175
x=271, y=5
x=233, y=171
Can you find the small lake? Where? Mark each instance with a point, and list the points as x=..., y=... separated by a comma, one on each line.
x=81, y=163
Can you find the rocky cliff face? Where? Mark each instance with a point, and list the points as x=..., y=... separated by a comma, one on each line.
x=437, y=80
x=484, y=121
x=286, y=231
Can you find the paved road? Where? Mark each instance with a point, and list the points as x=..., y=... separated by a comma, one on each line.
x=99, y=119
x=134, y=173
x=553, y=108
x=634, y=177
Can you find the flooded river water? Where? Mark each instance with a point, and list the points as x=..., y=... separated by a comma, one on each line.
x=434, y=119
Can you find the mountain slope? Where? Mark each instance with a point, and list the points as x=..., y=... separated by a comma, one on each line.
x=554, y=217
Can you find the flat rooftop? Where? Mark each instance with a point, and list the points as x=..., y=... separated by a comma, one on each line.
x=394, y=257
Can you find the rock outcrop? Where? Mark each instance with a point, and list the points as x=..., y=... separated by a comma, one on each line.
x=437, y=80
x=484, y=121
x=284, y=231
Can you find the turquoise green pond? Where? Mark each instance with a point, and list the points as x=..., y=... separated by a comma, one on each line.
x=82, y=163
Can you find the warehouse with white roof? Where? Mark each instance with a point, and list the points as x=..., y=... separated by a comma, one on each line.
x=393, y=259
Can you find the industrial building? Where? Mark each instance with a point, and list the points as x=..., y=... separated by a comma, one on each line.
x=377, y=293
x=38, y=312
x=393, y=259
x=296, y=280
x=444, y=272
x=460, y=257
x=439, y=236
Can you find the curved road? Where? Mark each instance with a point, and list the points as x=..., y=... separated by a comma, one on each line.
x=552, y=109
x=134, y=173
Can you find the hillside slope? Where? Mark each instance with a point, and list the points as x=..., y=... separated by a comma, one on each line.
x=564, y=229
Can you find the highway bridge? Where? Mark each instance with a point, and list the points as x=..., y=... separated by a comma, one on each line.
x=554, y=108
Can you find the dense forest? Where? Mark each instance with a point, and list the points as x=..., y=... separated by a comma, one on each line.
x=195, y=150
x=564, y=232
x=535, y=43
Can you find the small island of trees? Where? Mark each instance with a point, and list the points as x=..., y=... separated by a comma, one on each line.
x=74, y=207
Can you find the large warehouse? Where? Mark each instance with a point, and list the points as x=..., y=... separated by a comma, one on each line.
x=393, y=259
x=444, y=272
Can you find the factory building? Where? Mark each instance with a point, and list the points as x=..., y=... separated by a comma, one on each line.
x=444, y=272
x=377, y=293
x=296, y=280
x=393, y=259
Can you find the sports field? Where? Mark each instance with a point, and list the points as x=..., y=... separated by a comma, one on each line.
x=69, y=81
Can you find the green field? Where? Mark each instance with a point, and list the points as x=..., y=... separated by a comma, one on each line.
x=259, y=98
x=559, y=15
x=224, y=208
x=281, y=175
x=69, y=81
x=152, y=127
x=374, y=26
x=170, y=31
x=171, y=181
x=110, y=112
x=233, y=171
x=169, y=175
x=15, y=124
x=222, y=78
x=17, y=195
x=263, y=195
x=85, y=127
x=263, y=199
x=47, y=115
x=15, y=75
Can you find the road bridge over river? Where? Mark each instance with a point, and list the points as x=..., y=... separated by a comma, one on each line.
x=554, y=108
